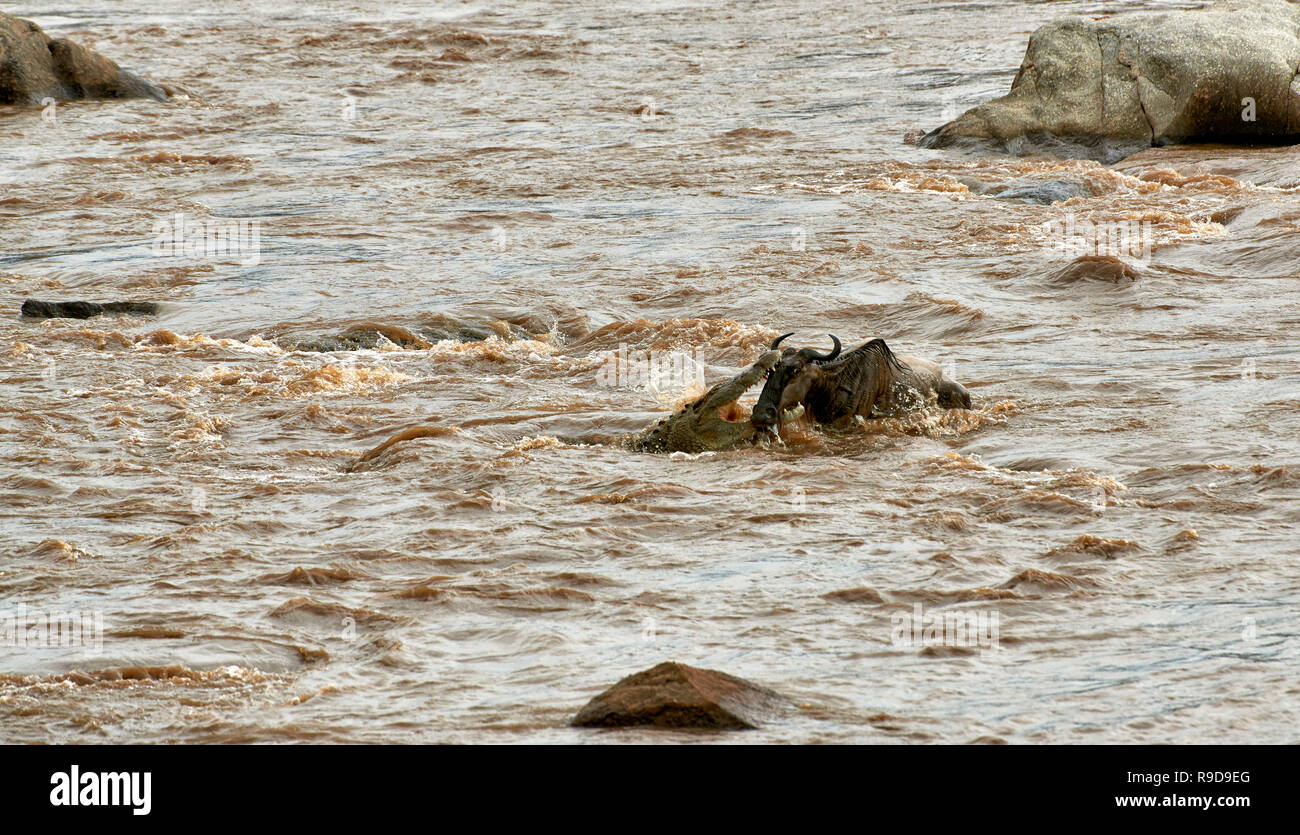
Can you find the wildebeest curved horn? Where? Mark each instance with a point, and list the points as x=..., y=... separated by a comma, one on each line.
x=835, y=352
x=777, y=341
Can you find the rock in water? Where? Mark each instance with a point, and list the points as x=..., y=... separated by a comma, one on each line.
x=1105, y=88
x=673, y=695
x=33, y=67
x=1045, y=191
x=84, y=310
x=371, y=335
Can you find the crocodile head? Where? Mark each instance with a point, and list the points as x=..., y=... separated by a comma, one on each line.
x=714, y=420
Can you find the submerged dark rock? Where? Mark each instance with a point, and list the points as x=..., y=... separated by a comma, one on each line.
x=1106, y=88
x=1104, y=269
x=34, y=309
x=1045, y=191
x=369, y=336
x=358, y=338
x=673, y=695
x=34, y=67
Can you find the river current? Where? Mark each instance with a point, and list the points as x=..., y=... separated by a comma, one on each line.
x=607, y=191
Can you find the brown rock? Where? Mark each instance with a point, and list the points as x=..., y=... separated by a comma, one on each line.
x=860, y=594
x=673, y=695
x=33, y=67
x=1105, y=269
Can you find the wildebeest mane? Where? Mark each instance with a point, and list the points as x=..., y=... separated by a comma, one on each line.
x=860, y=374
x=873, y=357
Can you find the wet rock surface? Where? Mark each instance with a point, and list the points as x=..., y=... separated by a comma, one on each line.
x=34, y=66
x=34, y=309
x=1107, y=88
x=1045, y=192
x=370, y=336
x=675, y=695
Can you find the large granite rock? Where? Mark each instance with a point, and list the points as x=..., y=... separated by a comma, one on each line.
x=673, y=695
x=1227, y=73
x=34, y=67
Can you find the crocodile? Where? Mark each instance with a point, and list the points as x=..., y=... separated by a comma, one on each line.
x=713, y=421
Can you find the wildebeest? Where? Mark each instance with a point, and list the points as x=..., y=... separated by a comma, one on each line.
x=834, y=386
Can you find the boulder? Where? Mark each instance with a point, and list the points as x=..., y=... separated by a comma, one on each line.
x=1044, y=191
x=34, y=309
x=1105, y=269
x=34, y=67
x=1106, y=88
x=673, y=695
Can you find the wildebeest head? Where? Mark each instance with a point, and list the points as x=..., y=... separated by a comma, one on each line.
x=789, y=381
x=952, y=395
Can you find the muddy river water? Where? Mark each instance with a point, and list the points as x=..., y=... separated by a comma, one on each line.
x=608, y=191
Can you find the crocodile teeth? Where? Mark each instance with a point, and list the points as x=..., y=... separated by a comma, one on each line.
x=792, y=414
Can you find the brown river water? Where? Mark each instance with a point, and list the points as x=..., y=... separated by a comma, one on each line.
x=588, y=181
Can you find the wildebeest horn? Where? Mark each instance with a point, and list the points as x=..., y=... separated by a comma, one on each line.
x=777, y=341
x=834, y=352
